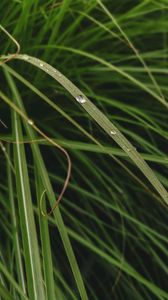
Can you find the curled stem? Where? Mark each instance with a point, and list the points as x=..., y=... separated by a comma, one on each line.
x=68, y=171
x=13, y=55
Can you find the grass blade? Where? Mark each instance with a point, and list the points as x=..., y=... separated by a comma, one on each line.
x=45, y=243
x=29, y=236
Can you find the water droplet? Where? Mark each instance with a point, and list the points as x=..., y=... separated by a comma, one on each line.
x=30, y=122
x=41, y=65
x=113, y=132
x=80, y=99
x=58, y=73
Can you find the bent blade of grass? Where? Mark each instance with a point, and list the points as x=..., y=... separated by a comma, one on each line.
x=110, y=66
x=29, y=235
x=72, y=121
x=102, y=121
x=49, y=190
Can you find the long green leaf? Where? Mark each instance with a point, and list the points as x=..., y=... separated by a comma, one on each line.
x=29, y=235
x=45, y=242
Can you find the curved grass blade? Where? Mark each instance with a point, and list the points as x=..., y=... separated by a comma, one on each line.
x=103, y=122
x=109, y=66
x=79, y=127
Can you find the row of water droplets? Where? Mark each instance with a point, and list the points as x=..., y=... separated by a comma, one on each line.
x=42, y=65
x=79, y=98
x=125, y=148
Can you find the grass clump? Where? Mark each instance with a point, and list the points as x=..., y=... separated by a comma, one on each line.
x=108, y=238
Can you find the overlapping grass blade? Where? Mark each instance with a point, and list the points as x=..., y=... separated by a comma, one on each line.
x=29, y=235
x=16, y=238
x=46, y=246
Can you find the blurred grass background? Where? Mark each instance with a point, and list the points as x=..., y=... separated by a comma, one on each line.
x=116, y=226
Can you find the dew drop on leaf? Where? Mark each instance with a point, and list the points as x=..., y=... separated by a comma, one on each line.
x=30, y=122
x=80, y=99
x=113, y=132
